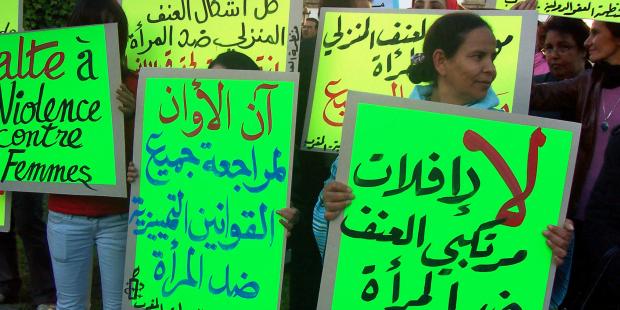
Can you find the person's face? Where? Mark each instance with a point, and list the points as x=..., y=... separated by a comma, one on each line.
x=602, y=45
x=566, y=60
x=429, y=4
x=540, y=37
x=468, y=75
x=308, y=30
x=363, y=4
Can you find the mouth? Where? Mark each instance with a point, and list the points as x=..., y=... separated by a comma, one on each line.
x=485, y=84
x=556, y=66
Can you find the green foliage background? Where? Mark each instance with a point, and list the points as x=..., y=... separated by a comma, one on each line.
x=43, y=14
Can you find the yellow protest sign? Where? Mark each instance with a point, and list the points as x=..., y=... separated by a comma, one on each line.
x=371, y=50
x=11, y=16
x=10, y=21
x=604, y=10
x=191, y=33
x=5, y=211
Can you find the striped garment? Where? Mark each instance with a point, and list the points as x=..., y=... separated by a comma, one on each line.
x=319, y=223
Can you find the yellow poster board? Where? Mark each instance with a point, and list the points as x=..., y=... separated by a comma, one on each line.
x=11, y=16
x=603, y=10
x=10, y=21
x=191, y=33
x=5, y=211
x=371, y=50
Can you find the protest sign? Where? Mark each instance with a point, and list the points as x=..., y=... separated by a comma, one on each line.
x=214, y=150
x=191, y=33
x=10, y=21
x=604, y=10
x=11, y=16
x=371, y=50
x=5, y=211
x=449, y=207
x=61, y=130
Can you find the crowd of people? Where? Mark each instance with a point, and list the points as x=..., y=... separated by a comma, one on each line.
x=577, y=78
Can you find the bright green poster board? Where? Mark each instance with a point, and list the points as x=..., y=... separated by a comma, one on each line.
x=371, y=50
x=605, y=10
x=10, y=16
x=61, y=131
x=191, y=33
x=214, y=151
x=428, y=225
x=5, y=211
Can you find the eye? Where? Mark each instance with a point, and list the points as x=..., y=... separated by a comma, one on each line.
x=478, y=56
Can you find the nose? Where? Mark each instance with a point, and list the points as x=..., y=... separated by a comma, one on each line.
x=489, y=67
x=588, y=42
x=555, y=54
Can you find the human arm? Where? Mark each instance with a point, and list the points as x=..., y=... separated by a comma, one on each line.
x=290, y=217
x=132, y=172
x=558, y=239
x=127, y=101
x=558, y=95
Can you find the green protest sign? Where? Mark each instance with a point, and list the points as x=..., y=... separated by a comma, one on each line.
x=449, y=207
x=11, y=16
x=61, y=131
x=191, y=33
x=371, y=50
x=604, y=10
x=214, y=150
x=5, y=211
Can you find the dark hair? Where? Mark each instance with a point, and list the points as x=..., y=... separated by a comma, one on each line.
x=614, y=28
x=574, y=27
x=447, y=34
x=338, y=3
x=316, y=21
x=91, y=12
x=235, y=61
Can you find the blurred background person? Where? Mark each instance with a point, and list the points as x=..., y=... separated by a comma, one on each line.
x=27, y=222
x=435, y=4
x=540, y=63
x=565, y=53
x=310, y=28
x=564, y=49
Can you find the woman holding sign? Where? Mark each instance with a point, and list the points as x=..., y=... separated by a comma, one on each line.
x=592, y=98
x=457, y=64
x=76, y=224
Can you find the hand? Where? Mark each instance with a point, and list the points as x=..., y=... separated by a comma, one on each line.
x=290, y=218
x=525, y=5
x=132, y=172
x=127, y=101
x=558, y=239
x=336, y=197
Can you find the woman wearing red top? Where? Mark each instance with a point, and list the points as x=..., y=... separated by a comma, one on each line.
x=435, y=4
x=76, y=224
